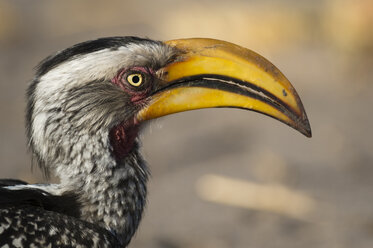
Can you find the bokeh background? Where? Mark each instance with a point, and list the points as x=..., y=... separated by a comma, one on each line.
x=228, y=178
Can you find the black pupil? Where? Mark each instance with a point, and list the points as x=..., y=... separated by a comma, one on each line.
x=135, y=79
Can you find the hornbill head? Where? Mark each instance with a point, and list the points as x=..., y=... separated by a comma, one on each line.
x=109, y=86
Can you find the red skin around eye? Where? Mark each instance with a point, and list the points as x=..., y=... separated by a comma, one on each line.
x=121, y=82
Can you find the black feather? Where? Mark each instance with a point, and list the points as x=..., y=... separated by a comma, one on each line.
x=66, y=203
x=11, y=182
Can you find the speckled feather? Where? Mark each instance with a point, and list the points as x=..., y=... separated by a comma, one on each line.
x=29, y=226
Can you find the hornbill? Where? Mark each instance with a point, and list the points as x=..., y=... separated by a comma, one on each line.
x=86, y=106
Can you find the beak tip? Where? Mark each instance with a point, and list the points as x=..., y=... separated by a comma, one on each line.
x=308, y=133
x=305, y=128
x=302, y=124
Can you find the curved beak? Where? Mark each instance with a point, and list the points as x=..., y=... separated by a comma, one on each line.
x=212, y=73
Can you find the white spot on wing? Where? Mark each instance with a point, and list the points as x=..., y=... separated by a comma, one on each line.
x=17, y=242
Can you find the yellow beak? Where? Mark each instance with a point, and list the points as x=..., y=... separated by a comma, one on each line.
x=212, y=73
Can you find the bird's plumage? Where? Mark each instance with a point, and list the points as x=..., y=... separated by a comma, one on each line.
x=32, y=217
x=32, y=226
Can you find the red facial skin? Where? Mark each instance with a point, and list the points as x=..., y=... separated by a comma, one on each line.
x=122, y=136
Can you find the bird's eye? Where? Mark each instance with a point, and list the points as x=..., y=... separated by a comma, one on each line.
x=135, y=79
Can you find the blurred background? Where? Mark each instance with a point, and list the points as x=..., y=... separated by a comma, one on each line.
x=227, y=178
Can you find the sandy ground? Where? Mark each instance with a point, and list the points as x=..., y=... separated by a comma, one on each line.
x=314, y=192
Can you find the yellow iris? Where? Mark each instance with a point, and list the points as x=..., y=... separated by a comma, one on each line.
x=135, y=79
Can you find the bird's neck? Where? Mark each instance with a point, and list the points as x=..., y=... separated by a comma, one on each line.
x=111, y=191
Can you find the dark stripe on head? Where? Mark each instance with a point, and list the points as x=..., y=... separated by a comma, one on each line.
x=85, y=48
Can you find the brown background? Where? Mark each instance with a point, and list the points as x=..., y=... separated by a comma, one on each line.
x=325, y=48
